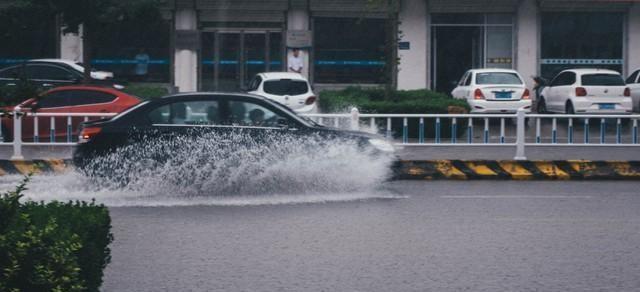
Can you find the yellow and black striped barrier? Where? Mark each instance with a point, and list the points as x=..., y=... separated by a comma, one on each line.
x=33, y=166
x=518, y=170
x=437, y=169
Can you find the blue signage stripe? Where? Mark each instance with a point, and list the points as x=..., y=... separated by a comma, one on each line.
x=98, y=61
x=233, y=62
x=581, y=61
x=349, y=63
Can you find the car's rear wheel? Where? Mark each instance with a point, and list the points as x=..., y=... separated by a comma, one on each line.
x=569, y=109
x=541, y=107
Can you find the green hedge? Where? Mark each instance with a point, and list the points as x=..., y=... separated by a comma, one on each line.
x=147, y=91
x=399, y=102
x=54, y=246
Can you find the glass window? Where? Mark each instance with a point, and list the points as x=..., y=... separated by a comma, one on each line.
x=633, y=78
x=187, y=113
x=497, y=78
x=47, y=72
x=463, y=79
x=255, y=83
x=10, y=73
x=55, y=99
x=457, y=18
x=285, y=87
x=581, y=40
x=250, y=114
x=566, y=78
x=467, y=80
x=349, y=50
x=86, y=97
x=602, y=80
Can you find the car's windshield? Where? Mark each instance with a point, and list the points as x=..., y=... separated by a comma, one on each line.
x=602, y=80
x=286, y=87
x=502, y=78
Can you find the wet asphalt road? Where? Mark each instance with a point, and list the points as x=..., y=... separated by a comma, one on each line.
x=436, y=236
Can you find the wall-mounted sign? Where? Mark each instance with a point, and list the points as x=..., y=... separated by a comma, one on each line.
x=187, y=39
x=299, y=39
x=404, y=45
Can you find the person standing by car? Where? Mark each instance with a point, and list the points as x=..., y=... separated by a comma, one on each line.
x=142, y=65
x=295, y=62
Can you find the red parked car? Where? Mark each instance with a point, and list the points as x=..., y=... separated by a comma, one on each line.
x=67, y=99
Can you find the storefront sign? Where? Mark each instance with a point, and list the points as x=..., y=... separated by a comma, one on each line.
x=299, y=39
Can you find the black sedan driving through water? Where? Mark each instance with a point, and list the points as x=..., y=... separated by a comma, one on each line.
x=196, y=114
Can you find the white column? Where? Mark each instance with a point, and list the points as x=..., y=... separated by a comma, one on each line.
x=527, y=40
x=633, y=39
x=71, y=45
x=298, y=19
x=412, y=70
x=186, y=59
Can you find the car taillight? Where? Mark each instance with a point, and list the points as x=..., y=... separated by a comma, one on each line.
x=627, y=92
x=580, y=91
x=478, y=94
x=310, y=100
x=526, y=94
x=88, y=133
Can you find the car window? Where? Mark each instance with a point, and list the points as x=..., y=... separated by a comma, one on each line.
x=86, y=97
x=242, y=113
x=602, y=80
x=286, y=87
x=467, y=82
x=463, y=79
x=47, y=72
x=56, y=99
x=205, y=112
x=633, y=78
x=255, y=83
x=498, y=78
x=10, y=73
x=566, y=78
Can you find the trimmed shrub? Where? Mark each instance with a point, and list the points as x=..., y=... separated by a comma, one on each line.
x=147, y=91
x=54, y=246
x=401, y=102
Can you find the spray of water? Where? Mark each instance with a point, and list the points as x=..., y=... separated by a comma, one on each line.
x=224, y=169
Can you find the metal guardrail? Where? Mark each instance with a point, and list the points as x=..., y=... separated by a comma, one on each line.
x=17, y=117
x=413, y=129
x=625, y=126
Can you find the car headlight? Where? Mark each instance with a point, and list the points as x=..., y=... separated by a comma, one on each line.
x=382, y=145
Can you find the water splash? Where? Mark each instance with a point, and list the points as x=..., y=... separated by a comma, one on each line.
x=223, y=169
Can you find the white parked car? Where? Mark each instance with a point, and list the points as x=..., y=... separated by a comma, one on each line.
x=493, y=91
x=98, y=75
x=289, y=89
x=633, y=83
x=594, y=91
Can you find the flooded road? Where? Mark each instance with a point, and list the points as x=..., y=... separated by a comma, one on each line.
x=411, y=236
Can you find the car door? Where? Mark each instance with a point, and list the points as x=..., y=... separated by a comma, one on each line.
x=259, y=120
x=633, y=83
x=559, y=91
x=9, y=76
x=49, y=76
x=46, y=103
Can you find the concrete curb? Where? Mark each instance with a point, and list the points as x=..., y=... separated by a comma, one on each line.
x=517, y=170
x=436, y=169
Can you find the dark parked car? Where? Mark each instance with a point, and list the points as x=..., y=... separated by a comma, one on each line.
x=50, y=73
x=197, y=113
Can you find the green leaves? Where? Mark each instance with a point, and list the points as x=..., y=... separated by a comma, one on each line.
x=54, y=246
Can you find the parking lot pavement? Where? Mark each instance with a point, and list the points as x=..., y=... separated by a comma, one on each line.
x=435, y=236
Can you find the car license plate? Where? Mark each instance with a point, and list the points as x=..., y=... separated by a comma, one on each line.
x=503, y=95
x=607, y=106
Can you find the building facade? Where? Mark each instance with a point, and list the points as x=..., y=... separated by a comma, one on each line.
x=221, y=44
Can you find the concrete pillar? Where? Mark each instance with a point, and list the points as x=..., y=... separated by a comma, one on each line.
x=186, y=59
x=71, y=46
x=298, y=19
x=412, y=70
x=527, y=51
x=633, y=39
